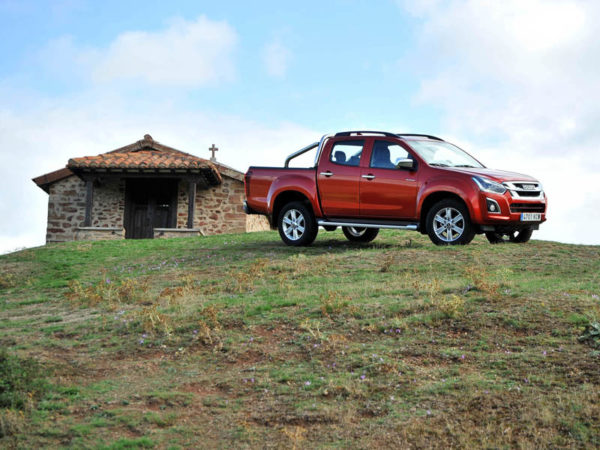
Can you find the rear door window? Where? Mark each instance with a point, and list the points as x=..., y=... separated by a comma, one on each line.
x=347, y=153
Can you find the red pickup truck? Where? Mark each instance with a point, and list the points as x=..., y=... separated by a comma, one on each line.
x=367, y=180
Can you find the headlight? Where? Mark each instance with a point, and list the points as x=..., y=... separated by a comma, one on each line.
x=487, y=185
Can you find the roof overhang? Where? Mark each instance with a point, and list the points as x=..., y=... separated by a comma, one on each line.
x=44, y=181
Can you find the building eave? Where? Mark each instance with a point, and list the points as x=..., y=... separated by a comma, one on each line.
x=45, y=181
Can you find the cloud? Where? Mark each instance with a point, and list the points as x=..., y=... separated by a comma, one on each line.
x=517, y=81
x=184, y=54
x=276, y=58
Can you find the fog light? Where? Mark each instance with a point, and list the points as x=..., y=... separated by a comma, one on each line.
x=492, y=206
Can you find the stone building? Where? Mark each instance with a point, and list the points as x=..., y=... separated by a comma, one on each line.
x=144, y=190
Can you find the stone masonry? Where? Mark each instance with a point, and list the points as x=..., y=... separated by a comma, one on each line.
x=66, y=209
x=218, y=210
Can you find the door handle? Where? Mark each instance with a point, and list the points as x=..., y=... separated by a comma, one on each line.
x=326, y=174
x=369, y=177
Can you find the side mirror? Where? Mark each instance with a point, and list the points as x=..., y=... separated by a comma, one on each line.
x=407, y=164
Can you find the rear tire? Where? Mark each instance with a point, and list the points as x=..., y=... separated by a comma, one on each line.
x=520, y=237
x=494, y=238
x=297, y=225
x=448, y=223
x=360, y=234
x=517, y=237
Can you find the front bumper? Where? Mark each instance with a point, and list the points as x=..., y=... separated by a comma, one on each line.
x=505, y=214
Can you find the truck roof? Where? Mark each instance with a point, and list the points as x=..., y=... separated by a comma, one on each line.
x=387, y=134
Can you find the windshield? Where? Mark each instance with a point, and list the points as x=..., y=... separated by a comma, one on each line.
x=443, y=154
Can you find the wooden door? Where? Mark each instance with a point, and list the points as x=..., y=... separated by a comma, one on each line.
x=149, y=204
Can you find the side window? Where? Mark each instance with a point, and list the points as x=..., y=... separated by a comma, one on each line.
x=388, y=155
x=347, y=153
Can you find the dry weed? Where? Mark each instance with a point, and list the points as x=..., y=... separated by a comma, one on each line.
x=7, y=280
x=11, y=422
x=389, y=260
x=108, y=293
x=333, y=304
x=313, y=327
x=479, y=278
x=296, y=436
x=450, y=305
x=209, y=326
x=153, y=320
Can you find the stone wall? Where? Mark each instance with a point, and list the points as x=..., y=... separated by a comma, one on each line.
x=98, y=234
x=219, y=209
x=256, y=222
x=109, y=204
x=66, y=209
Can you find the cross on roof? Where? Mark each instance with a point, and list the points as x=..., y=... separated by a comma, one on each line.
x=213, y=149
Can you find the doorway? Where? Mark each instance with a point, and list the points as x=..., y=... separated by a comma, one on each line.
x=149, y=204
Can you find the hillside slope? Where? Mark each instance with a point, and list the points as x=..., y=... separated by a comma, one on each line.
x=239, y=340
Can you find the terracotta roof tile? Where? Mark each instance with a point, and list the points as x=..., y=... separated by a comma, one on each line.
x=143, y=154
x=143, y=159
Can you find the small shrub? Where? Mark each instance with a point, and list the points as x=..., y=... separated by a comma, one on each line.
x=313, y=327
x=334, y=304
x=11, y=422
x=591, y=334
x=451, y=306
x=388, y=261
x=209, y=326
x=433, y=288
x=174, y=294
x=22, y=381
x=478, y=278
x=296, y=435
x=7, y=280
x=153, y=320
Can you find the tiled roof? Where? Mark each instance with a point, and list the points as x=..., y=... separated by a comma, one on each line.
x=142, y=159
x=143, y=154
x=146, y=155
x=44, y=181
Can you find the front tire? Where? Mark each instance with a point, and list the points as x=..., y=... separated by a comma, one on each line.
x=297, y=225
x=448, y=223
x=360, y=234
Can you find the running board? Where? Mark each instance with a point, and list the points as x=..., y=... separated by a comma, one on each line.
x=324, y=223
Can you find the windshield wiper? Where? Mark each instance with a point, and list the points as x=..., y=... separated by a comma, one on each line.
x=439, y=164
x=465, y=165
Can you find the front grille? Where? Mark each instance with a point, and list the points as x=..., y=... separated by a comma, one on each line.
x=527, y=186
x=527, y=207
x=524, y=189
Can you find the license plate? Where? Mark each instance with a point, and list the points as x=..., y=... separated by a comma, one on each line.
x=526, y=217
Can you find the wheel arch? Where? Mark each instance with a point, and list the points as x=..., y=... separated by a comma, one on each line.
x=434, y=197
x=285, y=197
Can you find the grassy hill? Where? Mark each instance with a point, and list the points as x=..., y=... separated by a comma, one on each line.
x=237, y=340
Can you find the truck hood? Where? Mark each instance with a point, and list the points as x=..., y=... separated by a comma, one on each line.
x=492, y=174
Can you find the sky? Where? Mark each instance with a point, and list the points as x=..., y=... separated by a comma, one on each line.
x=514, y=82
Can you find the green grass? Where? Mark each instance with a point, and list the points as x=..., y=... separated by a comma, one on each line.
x=238, y=340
